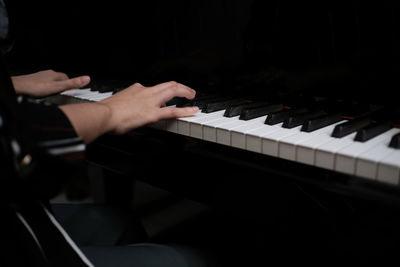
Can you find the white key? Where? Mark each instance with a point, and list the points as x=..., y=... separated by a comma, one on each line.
x=69, y=92
x=346, y=157
x=326, y=152
x=305, y=152
x=389, y=168
x=210, y=130
x=171, y=125
x=238, y=135
x=253, y=138
x=100, y=96
x=76, y=92
x=87, y=95
x=161, y=124
x=183, y=124
x=224, y=131
x=288, y=145
x=196, y=126
x=367, y=162
x=270, y=141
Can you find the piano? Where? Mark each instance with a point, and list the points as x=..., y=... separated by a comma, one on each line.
x=357, y=146
x=293, y=94
x=337, y=76
x=353, y=139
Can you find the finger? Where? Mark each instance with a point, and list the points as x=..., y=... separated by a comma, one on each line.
x=77, y=82
x=175, y=90
x=169, y=113
x=171, y=84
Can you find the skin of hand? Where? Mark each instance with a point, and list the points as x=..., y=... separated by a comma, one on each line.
x=47, y=82
x=128, y=109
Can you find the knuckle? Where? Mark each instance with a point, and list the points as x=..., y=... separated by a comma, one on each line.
x=168, y=113
x=175, y=112
x=76, y=81
x=154, y=118
x=173, y=83
x=173, y=90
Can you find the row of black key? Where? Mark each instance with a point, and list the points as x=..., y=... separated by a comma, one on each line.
x=309, y=119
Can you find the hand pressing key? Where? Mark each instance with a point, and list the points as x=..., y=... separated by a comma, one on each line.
x=128, y=109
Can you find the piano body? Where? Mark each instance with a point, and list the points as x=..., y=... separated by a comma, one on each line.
x=298, y=104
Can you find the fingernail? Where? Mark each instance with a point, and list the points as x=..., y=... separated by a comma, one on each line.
x=195, y=109
x=85, y=79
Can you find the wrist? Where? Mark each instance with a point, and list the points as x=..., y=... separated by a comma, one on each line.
x=90, y=120
x=17, y=84
x=107, y=114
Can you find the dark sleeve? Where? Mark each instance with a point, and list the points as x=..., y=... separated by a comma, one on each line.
x=48, y=129
x=51, y=151
x=3, y=20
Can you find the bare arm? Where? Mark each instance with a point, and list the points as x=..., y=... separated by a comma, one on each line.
x=131, y=108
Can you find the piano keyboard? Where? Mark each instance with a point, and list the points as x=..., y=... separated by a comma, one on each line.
x=377, y=158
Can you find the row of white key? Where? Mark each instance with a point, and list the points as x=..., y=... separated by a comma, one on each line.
x=87, y=94
x=373, y=159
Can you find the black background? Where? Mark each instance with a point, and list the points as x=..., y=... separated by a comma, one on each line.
x=345, y=48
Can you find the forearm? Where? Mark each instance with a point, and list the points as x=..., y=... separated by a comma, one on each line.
x=90, y=120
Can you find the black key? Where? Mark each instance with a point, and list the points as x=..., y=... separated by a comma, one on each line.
x=201, y=103
x=357, y=111
x=184, y=103
x=299, y=119
x=94, y=86
x=349, y=127
x=395, y=142
x=101, y=87
x=320, y=122
x=280, y=116
x=236, y=109
x=114, y=86
x=372, y=130
x=255, y=112
x=189, y=103
x=176, y=101
x=221, y=104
